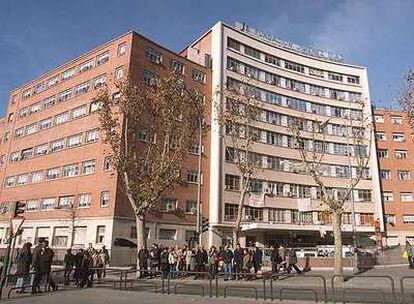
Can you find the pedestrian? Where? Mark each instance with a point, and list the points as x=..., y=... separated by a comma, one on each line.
x=227, y=258
x=292, y=260
x=78, y=267
x=172, y=261
x=257, y=259
x=36, y=265
x=181, y=260
x=201, y=259
x=213, y=262
x=238, y=261
x=97, y=266
x=23, y=262
x=282, y=254
x=90, y=249
x=247, y=263
x=68, y=262
x=154, y=260
x=275, y=260
x=46, y=264
x=85, y=269
x=143, y=256
x=409, y=254
x=105, y=259
x=165, y=267
x=187, y=256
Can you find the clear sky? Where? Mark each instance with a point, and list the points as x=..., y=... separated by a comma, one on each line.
x=38, y=35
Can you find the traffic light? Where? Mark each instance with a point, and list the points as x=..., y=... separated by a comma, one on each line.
x=18, y=208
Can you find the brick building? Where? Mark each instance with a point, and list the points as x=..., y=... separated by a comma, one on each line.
x=395, y=148
x=52, y=153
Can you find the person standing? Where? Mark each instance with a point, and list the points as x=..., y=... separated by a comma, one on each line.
x=409, y=249
x=143, y=256
x=78, y=266
x=257, y=259
x=165, y=266
x=85, y=270
x=275, y=260
x=200, y=260
x=172, y=261
x=23, y=262
x=213, y=262
x=105, y=259
x=187, y=257
x=36, y=265
x=292, y=262
x=238, y=261
x=247, y=263
x=227, y=258
x=69, y=262
x=46, y=265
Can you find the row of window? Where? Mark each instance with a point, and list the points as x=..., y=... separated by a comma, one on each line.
x=293, y=66
x=293, y=216
x=288, y=141
x=291, y=84
x=400, y=154
x=71, y=141
x=406, y=219
x=171, y=204
x=396, y=136
x=401, y=174
x=69, y=170
x=175, y=65
x=394, y=119
x=271, y=188
x=406, y=197
x=291, y=165
x=71, y=72
x=58, y=119
x=293, y=103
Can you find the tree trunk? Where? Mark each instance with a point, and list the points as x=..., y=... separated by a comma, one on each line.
x=141, y=235
x=336, y=226
x=237, y=227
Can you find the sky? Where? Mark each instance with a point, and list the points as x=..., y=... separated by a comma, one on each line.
x=39, y=35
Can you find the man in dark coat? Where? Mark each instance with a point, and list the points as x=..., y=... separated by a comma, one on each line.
x=143, y=256
x=69, y=262
x=23, y=261
x=36, y=261
x=275, y=260
x=201, y=259
x=238, y=261
x=46, y=259
x=257, y=259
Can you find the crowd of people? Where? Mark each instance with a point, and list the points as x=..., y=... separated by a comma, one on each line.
x=34, y=266
x=237, y=263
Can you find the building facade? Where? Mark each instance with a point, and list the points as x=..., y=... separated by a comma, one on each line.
x=395, y=148
x=288, y=82
x=52, y=154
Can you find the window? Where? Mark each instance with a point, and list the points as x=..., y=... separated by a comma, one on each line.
x=66, y=202
x=153, y=55
x=47, y=204
x=60, y=236
x=380, y=136
x=87, y=65
x=37, y=176
x=79, y=236
x=26, y=94
x=4, y=207
x=408, y=218
x=396, y=120
x=31, y=205
x=6, y=136
x=385, y=174
x=353, y=79
x=65, y=95
x=53, y=173
x=335, y=77
x=79, y=112
x=18, y=133
x=100, y=234
x=99, y=81
x=230, y=212
x=107, y=163
x=177, y=66
x=398, y=136
x=82, y=88
x=68, y=74
x=121, y=49
x=294, y=66
x=95, y=106
x=167, y=234
x=253, y=214
x=119, y=72
x=401, y=154
x=45, y=123
x=145, y=136
x=104, y=198
x=22, y=179
x=194, y=148
x=26, y=154
x=382, y=153
x=49, y=102
x=168, y=204
x=364, y=195
x=23, y=112
x=199, y=76
x=30, y=129
x=92, y=135
x=57, y=145
x=316, y=72
x=388, y=196
x=88, y=167
x=272, y=60
x=70, y=170
x=192, y=177
x=62, y=118
x=378, y=118
x=102, y=58
x=249, y=51
x=232, y=182
x=403, y=175
x=191, y=207
x=406, y=197
x=233, y=44
x=367, y=219
x=74, y=140
x=84, y=200
x=149, y=78
x=52, y=82
x=11, y=116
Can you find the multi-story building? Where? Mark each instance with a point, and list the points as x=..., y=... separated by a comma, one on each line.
x=288, y=82
x=52, y=153
x=395, y=149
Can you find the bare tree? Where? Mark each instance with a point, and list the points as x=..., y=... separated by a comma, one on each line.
x=312, y=146
x=149, y=128
x=406, y=98
x=240, y=112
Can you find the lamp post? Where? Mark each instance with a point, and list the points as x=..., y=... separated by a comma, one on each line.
x=200, y=160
